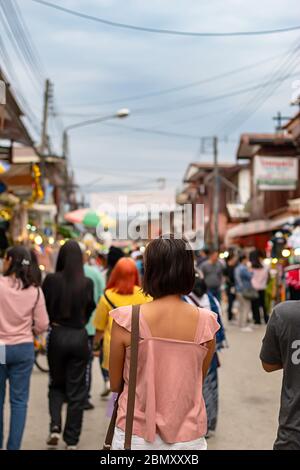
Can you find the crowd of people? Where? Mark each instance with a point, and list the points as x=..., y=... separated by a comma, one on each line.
x=245, y=277
x=85, y=307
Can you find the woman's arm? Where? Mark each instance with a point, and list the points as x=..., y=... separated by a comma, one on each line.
x=271, y=367
x=40, y=315
x=101, y=319
x=211, y=345
x=120, y=338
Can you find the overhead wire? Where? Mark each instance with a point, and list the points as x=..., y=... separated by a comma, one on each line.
x=255, y=102
x=166, y=91
x=116, y=24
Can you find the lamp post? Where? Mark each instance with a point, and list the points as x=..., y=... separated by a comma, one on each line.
x=120, y=114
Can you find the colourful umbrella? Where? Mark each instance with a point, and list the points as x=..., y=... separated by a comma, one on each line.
x=76, y=217
x=91, y=219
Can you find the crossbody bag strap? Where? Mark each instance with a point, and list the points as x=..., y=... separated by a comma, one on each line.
x=131, y=387
x=132, y=375
x=36, y=302
x=111, y=428
x=109, y=301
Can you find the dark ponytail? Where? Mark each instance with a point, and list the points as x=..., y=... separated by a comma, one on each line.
x=20, y=266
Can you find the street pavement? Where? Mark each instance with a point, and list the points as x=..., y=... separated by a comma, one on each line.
x=249, y=401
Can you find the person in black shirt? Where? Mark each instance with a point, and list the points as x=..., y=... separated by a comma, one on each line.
x=70, y=302
x=231, y=263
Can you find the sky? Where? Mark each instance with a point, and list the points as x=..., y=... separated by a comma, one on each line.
x=97, y=69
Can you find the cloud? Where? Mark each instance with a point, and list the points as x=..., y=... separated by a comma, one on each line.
x=91, y=63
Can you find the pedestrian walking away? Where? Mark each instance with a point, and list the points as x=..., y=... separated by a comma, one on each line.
x=244, y=292
x=22, y=313
x=70, y=302
x=259, y=282
x=231, y=263
x=201, y=298
x=123, y=288
x=212, y=270
x=177, y=343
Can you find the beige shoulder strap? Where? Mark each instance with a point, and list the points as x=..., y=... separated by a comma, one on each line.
x=131, y=386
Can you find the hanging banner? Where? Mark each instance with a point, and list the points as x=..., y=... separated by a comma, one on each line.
x=276, y=173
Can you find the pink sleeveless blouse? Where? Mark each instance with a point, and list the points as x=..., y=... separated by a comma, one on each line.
x=169, y=400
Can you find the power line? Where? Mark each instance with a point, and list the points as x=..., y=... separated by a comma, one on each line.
x=33, y=52
x=150, y=131
x=30, y=115
x=194, y=102
x=256, y=101
x=232, y=92
x=182, y=87
x=18, y=39
x=165, y=31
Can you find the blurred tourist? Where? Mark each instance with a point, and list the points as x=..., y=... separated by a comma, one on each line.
x=22, y=309
x=231, y=263
x=70, y=302
x=123, y=288
x=201, y=298
x=212, y=270
x=259, y=282
x=244, y=292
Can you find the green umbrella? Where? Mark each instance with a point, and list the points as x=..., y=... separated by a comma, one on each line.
x=91, y=219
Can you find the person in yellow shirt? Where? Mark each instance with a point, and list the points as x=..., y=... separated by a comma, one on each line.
x=123, y=288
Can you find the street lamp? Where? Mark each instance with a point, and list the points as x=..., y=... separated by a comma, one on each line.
x=120, y=114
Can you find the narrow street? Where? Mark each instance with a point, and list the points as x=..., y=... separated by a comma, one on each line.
x=249, y=401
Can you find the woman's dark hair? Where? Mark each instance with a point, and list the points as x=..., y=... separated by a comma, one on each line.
x=200, y=287
x=255, y=257
x=70, y=265
x=169, y=267
x=20, y=266
x=242, y=258
x=35, y=269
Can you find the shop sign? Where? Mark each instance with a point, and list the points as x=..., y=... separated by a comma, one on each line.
x=276, y=173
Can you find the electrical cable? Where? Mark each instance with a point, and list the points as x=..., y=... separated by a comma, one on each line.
x=165, y=31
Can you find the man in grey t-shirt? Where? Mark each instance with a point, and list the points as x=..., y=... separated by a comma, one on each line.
x=281, y=350
x=212, y=271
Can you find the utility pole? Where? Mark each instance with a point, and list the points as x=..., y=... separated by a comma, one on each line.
x=44, y=136
x=279, y=118
x=216, y=194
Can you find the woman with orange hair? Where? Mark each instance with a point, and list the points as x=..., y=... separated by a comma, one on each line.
x=123, y=288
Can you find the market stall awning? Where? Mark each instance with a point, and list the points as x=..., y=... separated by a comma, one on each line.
x=255, y=227
x=18, y=178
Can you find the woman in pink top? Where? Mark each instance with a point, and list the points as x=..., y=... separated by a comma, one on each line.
x=259, y=282
x=177, y=342
x=22, y=310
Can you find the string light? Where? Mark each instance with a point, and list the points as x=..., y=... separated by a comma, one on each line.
x=38, y=240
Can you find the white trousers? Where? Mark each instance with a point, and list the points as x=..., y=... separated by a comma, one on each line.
x=244, y=310
x=138, y=443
